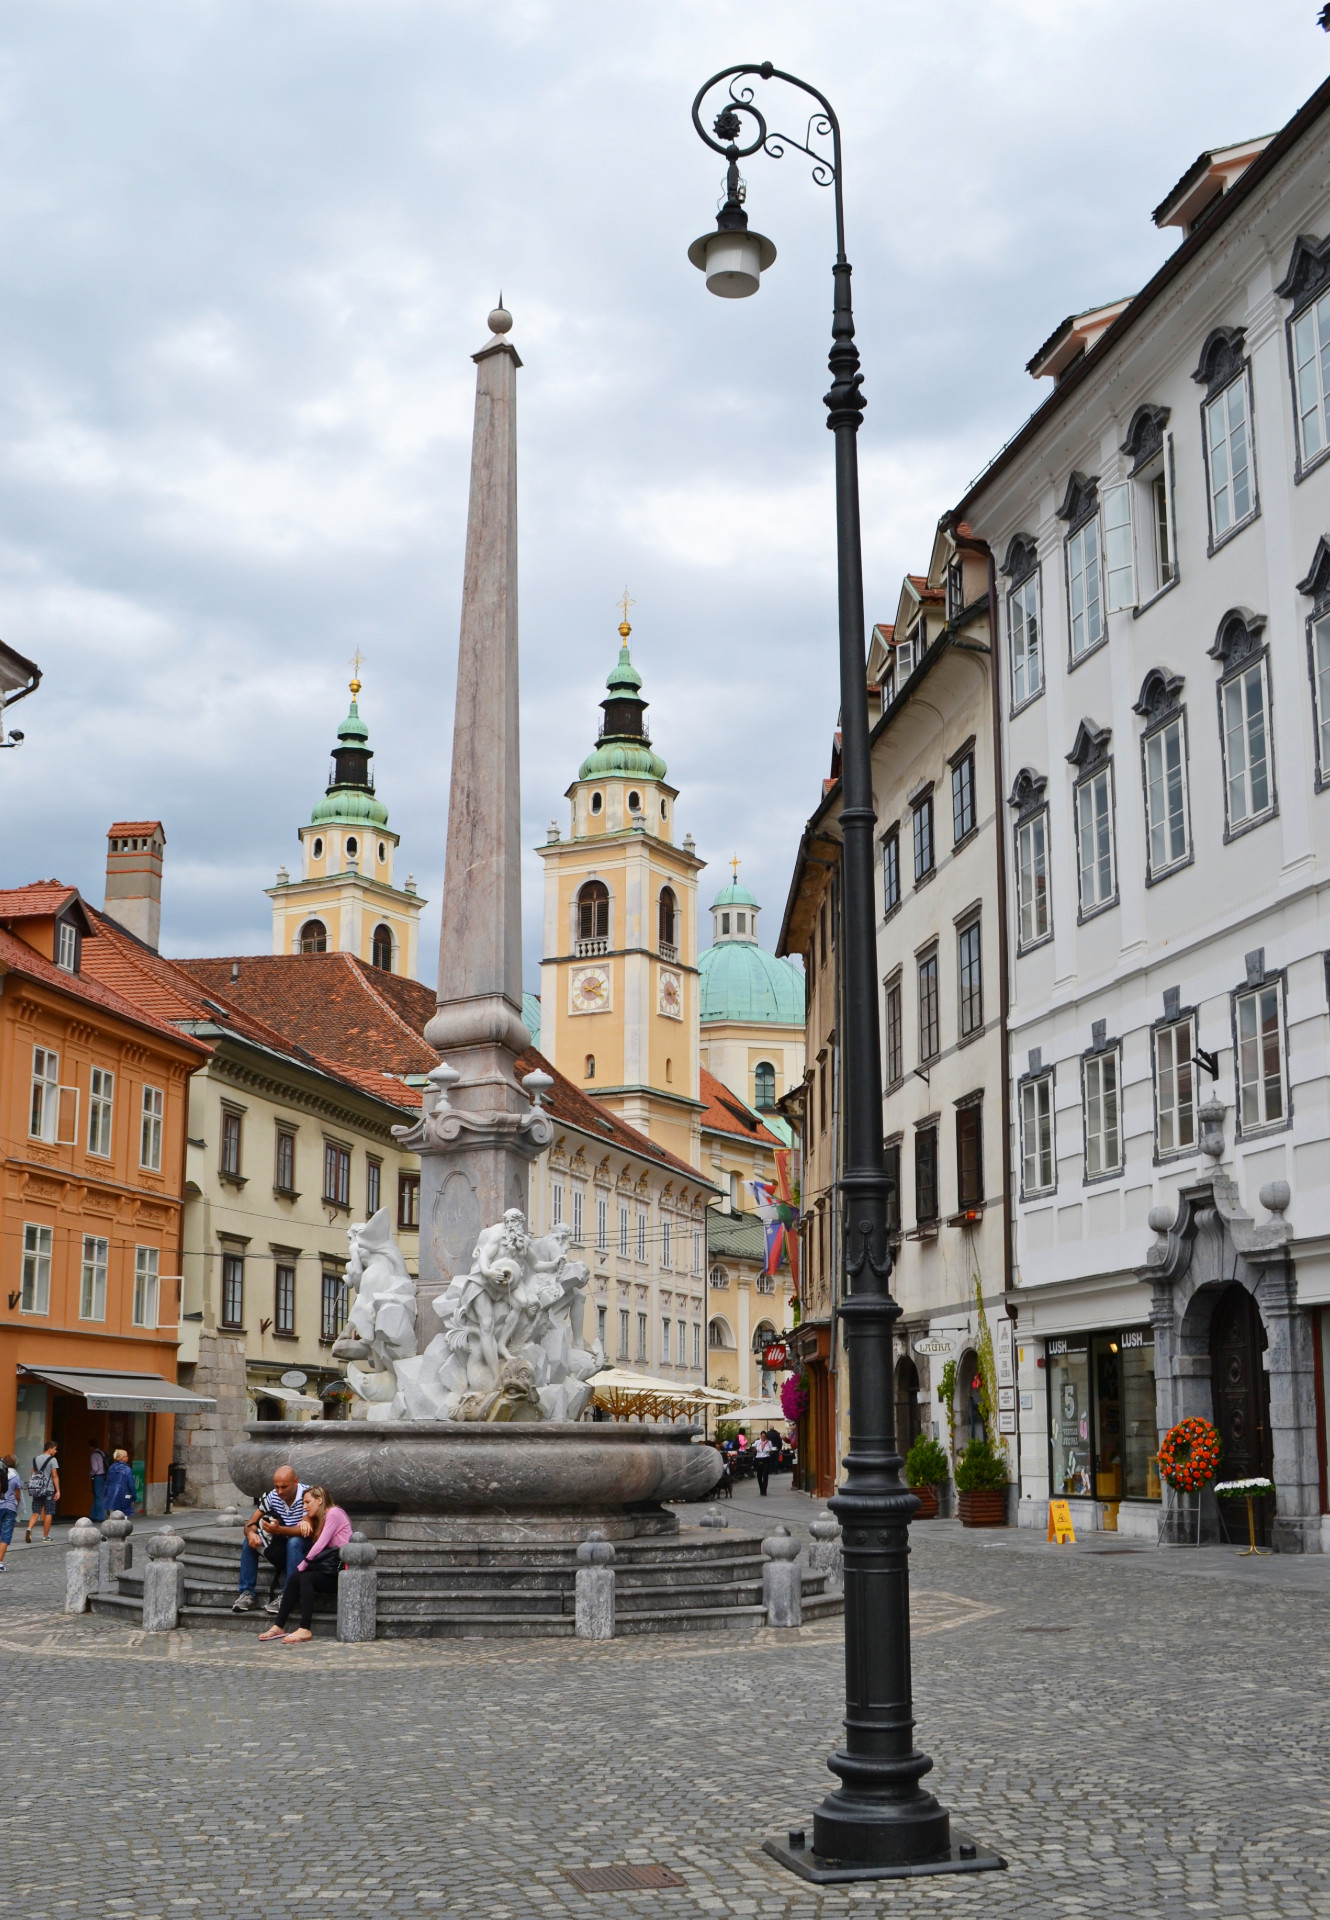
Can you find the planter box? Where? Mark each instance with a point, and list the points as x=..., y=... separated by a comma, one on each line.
x=927, y=1498
x=985, y=1507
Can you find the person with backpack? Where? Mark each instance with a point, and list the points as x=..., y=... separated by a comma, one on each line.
x=120, y=1485
x=10, y=1495
x=43, y=1493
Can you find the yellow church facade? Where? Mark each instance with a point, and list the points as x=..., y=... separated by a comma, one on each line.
x=346, y=899
x=620, y=1005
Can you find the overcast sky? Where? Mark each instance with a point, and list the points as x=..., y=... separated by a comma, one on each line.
x=248, y=246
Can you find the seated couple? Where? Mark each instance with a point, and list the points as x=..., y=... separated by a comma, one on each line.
x=301, y=1534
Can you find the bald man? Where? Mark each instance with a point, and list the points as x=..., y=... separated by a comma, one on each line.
x=272, y=1533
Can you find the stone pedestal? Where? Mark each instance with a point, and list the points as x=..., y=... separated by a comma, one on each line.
x=782, y=1580
x=163, y=1583
x=115, y=1555
x=824, y=1551
x=358, y=1591
x=594, y=1585
x=81, y=1566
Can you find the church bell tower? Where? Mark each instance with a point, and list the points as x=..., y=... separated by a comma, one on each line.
x=619, y=981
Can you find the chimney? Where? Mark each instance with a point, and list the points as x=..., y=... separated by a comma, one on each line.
x=134, y=851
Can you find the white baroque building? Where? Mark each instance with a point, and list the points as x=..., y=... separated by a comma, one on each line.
x=1160, y=533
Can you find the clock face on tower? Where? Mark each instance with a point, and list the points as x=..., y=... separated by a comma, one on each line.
x=590, y=989
x=671, y=994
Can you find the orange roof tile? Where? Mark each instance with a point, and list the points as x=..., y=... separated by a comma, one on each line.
x=16, y=956
x=133, y=826
x=725, y=1112
x=39, y=900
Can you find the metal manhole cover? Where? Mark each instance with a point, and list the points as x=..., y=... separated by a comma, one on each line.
x=625, y=1879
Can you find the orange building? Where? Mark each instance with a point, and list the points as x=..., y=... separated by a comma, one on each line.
x=92, y=1128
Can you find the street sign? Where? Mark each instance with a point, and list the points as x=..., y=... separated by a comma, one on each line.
x=295, y=1380
x=776, y=1356
x=1060, y=1530
x=933, y=1345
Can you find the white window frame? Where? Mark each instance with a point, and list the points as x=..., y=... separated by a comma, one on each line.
x=1156, y=779
x=1174, y=1071
x=665, y=1242
x=643, y=1337
x=1101, y=1094
x=1309, y=366
x=623, y=1233
x=624, y=1333
x=44, y=1110
x=1029, y=932
x=556, y=1202
x=150, y=1130
x=579, y=1203
x=1085, y=581
x=1097, y=832
x=1025, y=641
x=697, y=1343
x=1255, y=1047
x=697, y=1250
x=147, y=1285
x=665, y=1339
x=602, y=1225
x=35, y=1285
x=1119, y=571
x=1156, y=484
x=67, y=947
x=1218, y=409
x=1039, y=1162
x=101, y=1112
x=1235, y=685
x=92, y=1280
x=641, y=1237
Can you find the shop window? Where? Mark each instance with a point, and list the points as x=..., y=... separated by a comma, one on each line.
x=1102, y=1423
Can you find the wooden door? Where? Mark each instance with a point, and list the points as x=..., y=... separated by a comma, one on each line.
x=1241, y=1393
x=907, y=1404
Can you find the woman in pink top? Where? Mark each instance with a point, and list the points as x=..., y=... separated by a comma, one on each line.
x=330, y=1529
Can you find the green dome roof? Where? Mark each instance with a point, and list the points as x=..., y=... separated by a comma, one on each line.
x=740, y=981
x=616, y=756
x=349, y=807
x=624, y=745
x=734, y=896
x=349, y=800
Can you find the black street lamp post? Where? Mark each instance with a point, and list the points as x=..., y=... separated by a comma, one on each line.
x=880, y=1822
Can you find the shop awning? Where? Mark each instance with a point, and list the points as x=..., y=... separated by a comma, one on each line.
x=627, y=1395
x=122, y=1392
x=762, y=1413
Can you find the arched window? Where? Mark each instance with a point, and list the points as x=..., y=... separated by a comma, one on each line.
x=316, y=851
x=764, y=1337
x=634, y=801
x=669, y=1073
x=719, y=1336
x=313, y=937
x=352, y=846
x=719, y=1277
x=383, y=854
x=669, y=914
x=590, y=1070
x=381, y=949
x=593, y=911
x=597, y=802
x=764, y=1085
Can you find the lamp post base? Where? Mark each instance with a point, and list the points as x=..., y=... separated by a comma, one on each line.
x=962, y=1856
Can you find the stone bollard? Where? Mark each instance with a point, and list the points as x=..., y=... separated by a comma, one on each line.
x=595, y=1588
x=358, y=1590
x=782, y=1580
x=81, y=1566
x=824, y=1551
x=163, y=1583
x=230, y=1517
x=713, y=1517
x=116, y=1555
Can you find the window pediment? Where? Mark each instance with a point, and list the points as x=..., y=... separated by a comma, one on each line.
x=1091, y=746
x=1145, y=435
x=1317, y=583
x=1022, y=558
x=1027, y=792
x=1160, y=695
x=1239, y=635
x=1308, y=271
x=1221, y=358
x=1080, y=500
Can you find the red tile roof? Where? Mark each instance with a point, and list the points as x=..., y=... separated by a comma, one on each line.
x=39, y=900
x=16, y=956
x=133, y=826
x=726, y=1113
x=347, y=1011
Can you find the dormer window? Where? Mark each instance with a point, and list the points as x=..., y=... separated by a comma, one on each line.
x=67, y=947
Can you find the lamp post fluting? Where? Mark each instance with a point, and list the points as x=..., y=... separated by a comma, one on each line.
x=880, y=1821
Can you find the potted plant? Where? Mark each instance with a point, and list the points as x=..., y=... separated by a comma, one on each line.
x=926, y=1471
x=981, y=1485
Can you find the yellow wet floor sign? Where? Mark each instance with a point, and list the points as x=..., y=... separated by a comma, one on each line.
x=1060, y=1529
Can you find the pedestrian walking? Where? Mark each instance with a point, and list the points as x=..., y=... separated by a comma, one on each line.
x=10, y=1496
x=97, y=1470
x=317, y=1572
x=272, y=1533
x=43, y=1492
x=762, y=1457
x=120, y=1485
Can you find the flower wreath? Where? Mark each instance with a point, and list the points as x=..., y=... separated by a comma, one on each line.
x=1189, y=1455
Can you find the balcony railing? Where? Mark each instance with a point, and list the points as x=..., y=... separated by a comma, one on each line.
x=668, y=950
x=589, y=949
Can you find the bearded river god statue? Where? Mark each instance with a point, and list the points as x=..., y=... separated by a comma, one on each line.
x=511, y=1345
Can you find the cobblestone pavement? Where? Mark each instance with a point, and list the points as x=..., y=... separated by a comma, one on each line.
x=1136, y=1742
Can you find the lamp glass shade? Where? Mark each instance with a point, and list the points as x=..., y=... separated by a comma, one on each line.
x=733, y=261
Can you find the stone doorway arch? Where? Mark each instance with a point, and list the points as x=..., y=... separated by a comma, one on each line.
x=1207, y=1247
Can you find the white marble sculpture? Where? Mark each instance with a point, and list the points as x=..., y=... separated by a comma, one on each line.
x=380, y=1329
x=511, y=1346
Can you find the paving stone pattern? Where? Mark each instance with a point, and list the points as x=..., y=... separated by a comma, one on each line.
x=1166, y=1756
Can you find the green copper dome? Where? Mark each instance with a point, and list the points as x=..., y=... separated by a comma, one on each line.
x=742, y=982
x=350, y=800
x=734, y=896
x=624, y=745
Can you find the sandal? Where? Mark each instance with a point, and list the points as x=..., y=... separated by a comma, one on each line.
x=273, y=1633
x=298, y=1638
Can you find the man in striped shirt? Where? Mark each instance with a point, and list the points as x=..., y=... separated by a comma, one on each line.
x=272, y=1533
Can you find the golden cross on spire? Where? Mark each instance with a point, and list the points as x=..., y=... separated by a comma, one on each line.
x=356, y=664
x=623, y=606
x=734, y=865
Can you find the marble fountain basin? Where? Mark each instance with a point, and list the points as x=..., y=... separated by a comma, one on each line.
x=464, y=1479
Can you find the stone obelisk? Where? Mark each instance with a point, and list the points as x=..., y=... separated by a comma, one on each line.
x=480, y=1130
